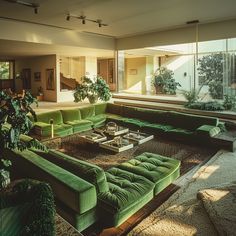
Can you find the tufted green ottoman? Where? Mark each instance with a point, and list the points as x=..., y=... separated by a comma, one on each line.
x=161, y=170
x=127, y=193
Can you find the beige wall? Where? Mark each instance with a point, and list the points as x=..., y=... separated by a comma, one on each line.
x=38, y=64
x=91, y=66
x=135, y=73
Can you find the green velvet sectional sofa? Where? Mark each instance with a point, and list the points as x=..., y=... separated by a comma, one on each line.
x=174, y=125
x=85, y=193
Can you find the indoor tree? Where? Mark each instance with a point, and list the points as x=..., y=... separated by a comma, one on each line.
x=210, y=72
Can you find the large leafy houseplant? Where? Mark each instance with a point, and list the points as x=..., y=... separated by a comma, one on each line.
x=210, y=72
x=93, y=89
x=14, y=122
x=164, y=81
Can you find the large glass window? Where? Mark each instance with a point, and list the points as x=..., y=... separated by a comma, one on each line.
x=5, y=70
x=207, y=68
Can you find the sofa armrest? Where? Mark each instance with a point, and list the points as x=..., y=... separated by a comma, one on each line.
x=73, y=191
x=208, y=130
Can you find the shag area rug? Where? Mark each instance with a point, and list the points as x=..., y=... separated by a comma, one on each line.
x=63, y=228
x=189, y=155
x=185, y=215
x=220, y=205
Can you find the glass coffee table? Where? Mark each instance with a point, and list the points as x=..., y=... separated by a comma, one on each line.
x=117, y=144
x=94, y=137
x=138, y=137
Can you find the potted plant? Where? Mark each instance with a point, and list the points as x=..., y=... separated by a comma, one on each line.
x=14, y=121
x=93, y=89
x=164, y=82
x=40, y=93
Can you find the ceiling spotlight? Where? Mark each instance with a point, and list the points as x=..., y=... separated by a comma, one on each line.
x=100, y=24
x=36, y=10
x=83, y=18
x=27, y=4
x=68, y=17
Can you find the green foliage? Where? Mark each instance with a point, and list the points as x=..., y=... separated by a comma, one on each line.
x=191, y=96
x=4, y=70
x=14, y=120
x=96, y=88
x=207, y=106
x=210, y=72
x=164, y=78
x=42, y=211
x=229, y=102
x=4, y=164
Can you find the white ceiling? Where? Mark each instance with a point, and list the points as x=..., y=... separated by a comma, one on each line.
x=124, y=18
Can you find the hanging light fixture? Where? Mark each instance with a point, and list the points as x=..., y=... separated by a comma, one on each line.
x=83, y=19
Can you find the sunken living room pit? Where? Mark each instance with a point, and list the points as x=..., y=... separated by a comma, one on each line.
x=92, y=184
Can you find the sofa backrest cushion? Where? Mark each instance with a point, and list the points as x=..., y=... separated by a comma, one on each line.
x=100, y=108
x=71, y=115
x=114, y=109
x=87, y=111
x=46, y=117
x=87, y=171
x=190, y=122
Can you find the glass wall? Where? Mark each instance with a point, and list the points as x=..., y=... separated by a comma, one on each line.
x=172, y=71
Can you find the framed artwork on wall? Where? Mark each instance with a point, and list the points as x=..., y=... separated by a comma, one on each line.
x=50, y=79
x=26, y=78
x=37, y=76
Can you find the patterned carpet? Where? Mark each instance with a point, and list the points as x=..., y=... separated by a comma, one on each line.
x=63, y=228
x=92, y=153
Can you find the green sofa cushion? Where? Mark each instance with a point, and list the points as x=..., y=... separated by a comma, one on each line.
x=46, y=117
x=44, y=129
x=127, y=193
x=71, y=115
x=87, y=111
x=100, y=108
x=89, y=172
x=158, y=169
x=158, y=128
x=189, y=122
x=136, y=123
x=63, y=130
x=98, y=120
x=181, y=134
x=208, y=131
x=80, y=125
x=75, y=192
